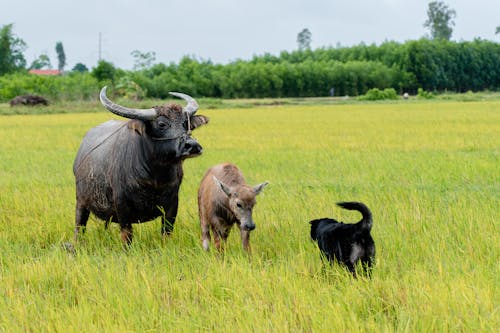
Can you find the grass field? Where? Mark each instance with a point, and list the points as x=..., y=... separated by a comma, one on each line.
x=430, y=172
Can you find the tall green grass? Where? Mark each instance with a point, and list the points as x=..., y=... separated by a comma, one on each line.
x=429, y=172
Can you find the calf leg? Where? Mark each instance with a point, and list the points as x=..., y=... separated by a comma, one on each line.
x=220, y=232
x=217, y=239
x=205, y=235
x=204, y=226
x=245, y=240
x=81, y=218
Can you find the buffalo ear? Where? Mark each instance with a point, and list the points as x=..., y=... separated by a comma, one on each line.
x=197, y=121
x=138, y=126
x=222, y=186
x=258, y=188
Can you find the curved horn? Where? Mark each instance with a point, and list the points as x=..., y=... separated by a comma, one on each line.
x=191, y=106
x=142, y=114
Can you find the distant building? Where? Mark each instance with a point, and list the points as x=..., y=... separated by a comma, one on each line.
x=44, y=71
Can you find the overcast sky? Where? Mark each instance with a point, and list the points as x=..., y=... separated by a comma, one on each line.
x=224, y=30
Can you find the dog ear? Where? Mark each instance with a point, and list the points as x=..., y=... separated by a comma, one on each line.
x=222, y=186
x=258, y=188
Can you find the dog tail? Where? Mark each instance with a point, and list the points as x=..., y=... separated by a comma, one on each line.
x=366, y=222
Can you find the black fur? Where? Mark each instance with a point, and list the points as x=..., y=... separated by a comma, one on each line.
x=346, y=243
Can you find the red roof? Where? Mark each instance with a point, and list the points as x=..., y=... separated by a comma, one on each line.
x=44, y=71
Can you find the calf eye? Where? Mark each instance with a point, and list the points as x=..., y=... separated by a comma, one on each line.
x=239, y=205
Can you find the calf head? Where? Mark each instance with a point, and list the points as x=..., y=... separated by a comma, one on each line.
x=241, y=200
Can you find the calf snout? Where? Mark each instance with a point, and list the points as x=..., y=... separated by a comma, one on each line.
x=249, y=227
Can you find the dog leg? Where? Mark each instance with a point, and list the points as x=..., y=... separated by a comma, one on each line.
x=352, y=268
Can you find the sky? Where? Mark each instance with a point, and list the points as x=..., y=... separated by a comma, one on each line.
x=223, y=30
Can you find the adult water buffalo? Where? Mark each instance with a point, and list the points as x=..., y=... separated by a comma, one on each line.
x=29, y=100
x=130, y=171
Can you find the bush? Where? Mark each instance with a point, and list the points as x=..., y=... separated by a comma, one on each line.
x=72, y=87
x=424, y=94
x=376, y=94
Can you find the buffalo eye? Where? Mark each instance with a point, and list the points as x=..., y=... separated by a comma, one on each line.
x=162, y=124
x=239, y=205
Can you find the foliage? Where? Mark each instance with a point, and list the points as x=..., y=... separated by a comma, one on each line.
x=43, y=61
x=104, y=71
x=434, y=65
x=304, y=39
x=61, y=56
x=376, y=94
x=74, y=86
x=428, y=171
x=440, y=20
x=11, y=51
x=129, y=89
x=143, y=60
x=424, y=94
x=79, y=67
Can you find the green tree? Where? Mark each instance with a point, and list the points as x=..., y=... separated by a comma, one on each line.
x=79, y=67
x=11, y=51
x=440, y=20
x=61, y=56
x=104, y=71
x=498, y=30
x=304, y=39
x=143, y=60
x=43, y=61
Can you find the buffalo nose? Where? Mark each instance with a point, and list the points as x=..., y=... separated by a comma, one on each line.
x=192, y=147
x=249, y=227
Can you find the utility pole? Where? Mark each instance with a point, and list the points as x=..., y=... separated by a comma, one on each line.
x=100, y=46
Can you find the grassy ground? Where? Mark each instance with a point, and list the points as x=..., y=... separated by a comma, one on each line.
x=429, y=172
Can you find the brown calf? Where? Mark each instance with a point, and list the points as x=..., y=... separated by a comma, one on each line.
x=223, y=200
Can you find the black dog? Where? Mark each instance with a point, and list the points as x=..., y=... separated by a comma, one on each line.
x=346, y=243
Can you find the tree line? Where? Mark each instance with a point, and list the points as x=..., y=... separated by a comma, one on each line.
x=431, y=65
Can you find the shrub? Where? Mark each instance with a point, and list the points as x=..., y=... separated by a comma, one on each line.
x=424, y=94
x=75, y=86
x=376, y=94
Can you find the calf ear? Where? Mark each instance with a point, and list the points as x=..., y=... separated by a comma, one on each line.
x=258, y=188
x=137, y=126
x=222, y=186
x=197, y=121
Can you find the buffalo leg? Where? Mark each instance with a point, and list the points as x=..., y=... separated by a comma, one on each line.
x=81, y=218
x=126, y=233
x=168, y=219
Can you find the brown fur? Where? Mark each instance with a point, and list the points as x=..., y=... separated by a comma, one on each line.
x=224, y=199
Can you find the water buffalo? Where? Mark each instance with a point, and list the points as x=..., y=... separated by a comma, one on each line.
x=29, y=100
x=224, y=199
x=130, y=171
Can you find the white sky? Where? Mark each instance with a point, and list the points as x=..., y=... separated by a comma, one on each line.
x=224, y=30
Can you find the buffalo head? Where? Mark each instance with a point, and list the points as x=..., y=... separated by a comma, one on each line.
x=168, y=126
